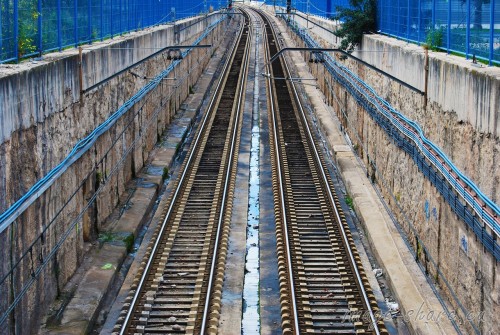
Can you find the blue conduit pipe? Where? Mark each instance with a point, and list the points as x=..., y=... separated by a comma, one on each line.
x=81, y=147
x=396, y=124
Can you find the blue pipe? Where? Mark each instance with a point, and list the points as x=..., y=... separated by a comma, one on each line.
x=418, y=137
x=81, y=147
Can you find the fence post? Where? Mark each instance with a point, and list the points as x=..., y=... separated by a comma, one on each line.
x=467, y=31
x=492, y=28
x=120, y=17
x=111, y=17
x=75, y=20
x=89, y=13
x=448, y=29
x=39, y=21
x=419, y=24
x=1, y=35
x=380, y=14
x=127, y=11
x=102, y=20
x=398, y=29
x=433, y=14
x=16, y=31
x=59, y=25
x=408, y=22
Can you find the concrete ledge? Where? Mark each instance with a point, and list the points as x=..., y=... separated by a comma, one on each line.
x=404, y=277
x=83, y=308
x=81, y=312
x=134, y=217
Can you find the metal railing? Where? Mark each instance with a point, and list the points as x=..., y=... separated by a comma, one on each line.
x=29, y=28
x=478, y=211
x=466, y=27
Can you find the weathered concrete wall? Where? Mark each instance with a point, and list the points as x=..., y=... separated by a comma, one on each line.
x=469, y=135
x=468, y=109
x=43, y=115
x=463, y=112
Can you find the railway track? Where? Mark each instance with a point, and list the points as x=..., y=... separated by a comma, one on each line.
x=179, y=284
x=322, y=282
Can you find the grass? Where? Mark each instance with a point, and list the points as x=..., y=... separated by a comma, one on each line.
x=479, y=60
x=349, y=201
x=106, y=236
x=126, y=238
x=165, y=174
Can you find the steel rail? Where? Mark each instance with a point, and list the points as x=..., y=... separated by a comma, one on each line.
x=280, y=179
x=147, y=268
x=243, y=77
x=332, y=201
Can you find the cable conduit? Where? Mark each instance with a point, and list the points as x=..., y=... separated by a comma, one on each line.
x=81, y=147
x=412, y=130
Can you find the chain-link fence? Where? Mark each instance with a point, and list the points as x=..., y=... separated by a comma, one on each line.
x=466, y=27
x=32, y=27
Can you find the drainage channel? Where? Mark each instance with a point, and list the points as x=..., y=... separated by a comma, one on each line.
x=250, y=323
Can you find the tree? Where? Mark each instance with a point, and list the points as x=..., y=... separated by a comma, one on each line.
x=356, y=20
x=477, y=12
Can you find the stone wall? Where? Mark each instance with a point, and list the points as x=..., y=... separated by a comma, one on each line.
x=461, y=116
x=43, y=114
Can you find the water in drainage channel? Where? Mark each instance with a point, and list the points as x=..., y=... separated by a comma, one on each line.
x=250, y=323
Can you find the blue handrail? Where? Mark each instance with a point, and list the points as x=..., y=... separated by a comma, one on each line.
x=14, y=211
x=413, y=131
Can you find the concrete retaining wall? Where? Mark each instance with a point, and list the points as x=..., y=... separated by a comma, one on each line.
x=461, y=117
x=463, y=112
x=43, y=115
x=466, y=98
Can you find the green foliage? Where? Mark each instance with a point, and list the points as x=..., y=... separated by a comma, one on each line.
x=356, y=21
x=349, y=201
x=99, y=178
x=165, y=174
x=129, y=242
x=420, y=250
x=28, y=16
x=125, y=239
x=106, y=236
x=434, y=39
x=26, y=44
